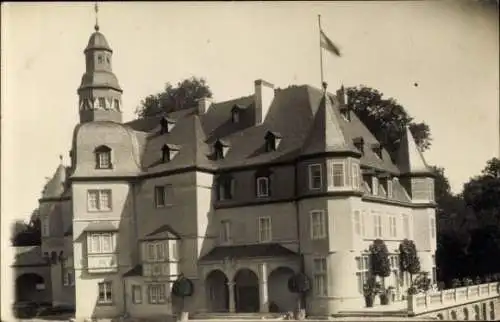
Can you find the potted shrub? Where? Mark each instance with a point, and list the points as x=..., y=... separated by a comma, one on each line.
x=456, y=283
x=477, y=280
x=467, y=281
x=380, y=264
x=182, y=288
x=370, y=290
x=412, y=290
x=300, y=284
x=408, y=258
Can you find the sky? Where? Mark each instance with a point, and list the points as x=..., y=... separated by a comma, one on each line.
x=450, y=48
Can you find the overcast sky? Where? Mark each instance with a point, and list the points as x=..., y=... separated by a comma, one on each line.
x=450, y=49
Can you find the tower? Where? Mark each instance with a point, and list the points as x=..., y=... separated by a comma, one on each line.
x=99, y=92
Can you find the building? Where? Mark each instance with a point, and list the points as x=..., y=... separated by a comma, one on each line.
x=235, y=195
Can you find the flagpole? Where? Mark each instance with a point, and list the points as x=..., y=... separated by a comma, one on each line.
x=320, y=51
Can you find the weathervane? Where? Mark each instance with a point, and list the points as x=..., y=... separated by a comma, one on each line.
x=96, y=9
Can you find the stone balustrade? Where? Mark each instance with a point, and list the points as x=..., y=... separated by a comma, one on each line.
x=433, y=301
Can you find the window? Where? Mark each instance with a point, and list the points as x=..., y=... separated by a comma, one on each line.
x=320, y=277
x=99, y=200
x=433, y=228
x=273, y=139
x=173, y=250
x=235, y=116
x=225, y=233
x=105, y=293
x=225, y=188
x=315, y=176
x=377, y=225
x=389, y=188
x=116, y=104
x=362, y=271
x=393, y=226
x=103, y=157
x=108, y=60
x=156, y=251
x=45, y=226
x=68, y=272
x=100, y=59
x=156, y=293
x=168, y=152
x=357, y=223
x=100, y=243
x=102, y=103
x=163, y=194
x=265, y=229
x=406, y=226
x=318, y=224
x=136, y=294
x=263, y=187
x=355, y=176
x=375, y=185
x=220, y=150
x=338, y=172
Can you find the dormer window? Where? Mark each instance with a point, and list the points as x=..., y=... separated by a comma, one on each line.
x=169, y=151
x=167, y=125
x=377, y=149
x=220, y=149
x=359, y=143
x=273, y=139
x=346, y=113
x=235, y=116
x=103, y=157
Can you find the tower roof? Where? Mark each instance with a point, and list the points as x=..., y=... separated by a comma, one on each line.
x=410, y=160
x=97, y=41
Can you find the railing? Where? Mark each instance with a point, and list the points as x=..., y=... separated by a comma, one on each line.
x=424, y=302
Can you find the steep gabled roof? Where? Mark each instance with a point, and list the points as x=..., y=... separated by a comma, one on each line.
x=409, y=159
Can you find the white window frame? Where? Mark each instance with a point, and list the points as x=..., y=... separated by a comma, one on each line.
x=173, y=250
x=343, y=174
x=157, y=294
x=358, y=230
x=156, y=251
x=362, y=271
x=393, y=226
x=99, y=204
x=96, y=242
x=356, y=182
x=318, y=224
x=375, y=184
x=100, y=101
x=136, y=291
x=312, y=168
x=377, y=225
x=260, y=192
x=45, y=226
x=160, y=191
x=107, y=287
x=104, y=159
x=320, y=276
x=390, y=188
x=225, y=232
x=265, y=233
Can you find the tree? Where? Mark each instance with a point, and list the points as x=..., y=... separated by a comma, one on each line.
x=379, y=259
x=408, y=258
x=386, y=119
x=299, y=283
x=184, y=95
x=183, y=287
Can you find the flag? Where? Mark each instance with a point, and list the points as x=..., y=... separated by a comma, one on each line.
x=327, y=44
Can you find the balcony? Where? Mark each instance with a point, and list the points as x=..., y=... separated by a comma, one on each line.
x=425, y=302
x=102, y=263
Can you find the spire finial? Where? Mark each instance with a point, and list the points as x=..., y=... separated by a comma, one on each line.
x=325, y=85
x=61, y=158
x=96, y=9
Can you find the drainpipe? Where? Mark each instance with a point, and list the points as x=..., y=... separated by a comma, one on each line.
x=297, y=214
x=124, y=298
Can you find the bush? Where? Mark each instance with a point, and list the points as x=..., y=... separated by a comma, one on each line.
x=408, y=258
x=412, y=290
x=455, y=283
x=380, y=264
x=467, y=282
x=477, y=280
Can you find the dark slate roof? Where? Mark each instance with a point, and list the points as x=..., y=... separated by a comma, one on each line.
x=135, y=271
x=247, y=251
x=163, y=232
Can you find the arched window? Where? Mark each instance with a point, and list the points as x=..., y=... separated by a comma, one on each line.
x=103, y=157
x=263, y=183
x=453, y=315
x=466, y=313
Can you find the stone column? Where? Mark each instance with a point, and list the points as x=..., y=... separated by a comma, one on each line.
x=263, y=288
x=230, y=286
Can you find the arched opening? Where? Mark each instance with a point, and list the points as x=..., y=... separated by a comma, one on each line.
x=492, y=311
x=29, y=286
x=246, y=291
x=440, y=316
x=485, y=311
x=217, y=291
x=466, y=313
x=453, y=315
x=280, y=298
x=477, y=314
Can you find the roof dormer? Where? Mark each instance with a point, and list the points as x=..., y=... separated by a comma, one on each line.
x=220, y=149
x=236, y=113
x=168, y=152
x=273, y=140
x=377, y=149
x=359, y=143
x=166, y=125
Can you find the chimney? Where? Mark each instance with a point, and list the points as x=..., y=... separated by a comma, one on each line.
x=203, y=105
x=264, y=96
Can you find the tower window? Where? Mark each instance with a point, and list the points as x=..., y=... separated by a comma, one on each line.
x=107, y=59
x=103, y=157
x=100, y=59
x=116, y=104
x=102, y=103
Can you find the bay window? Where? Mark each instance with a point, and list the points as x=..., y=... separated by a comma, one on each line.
x=338, y=174
x=100, y=243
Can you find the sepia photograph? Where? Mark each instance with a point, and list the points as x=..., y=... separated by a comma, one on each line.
x=242, y=161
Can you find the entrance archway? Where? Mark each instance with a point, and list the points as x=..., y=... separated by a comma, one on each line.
x=217, y=291
x=246, y=291
x=280, y=298
x=28, y=286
